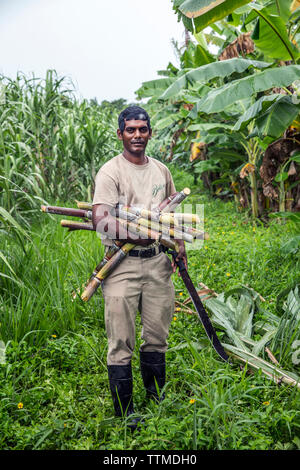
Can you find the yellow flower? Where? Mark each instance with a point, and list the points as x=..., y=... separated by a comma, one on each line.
x=20, y=405
x=228, y=274
x=206, y=248
x=192, y=401
x=177, y=309
x=54, y=336
x=214, y=264
x=223, y=233
x=180, y=293
x=266, y=403
x=174, y=318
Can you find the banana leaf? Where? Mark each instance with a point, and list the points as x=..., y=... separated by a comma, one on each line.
x=271, y=37
x=255, y=110
x=272, y=371
x=219, y=99
x=211, y=71
x=278, y=117
x=205, y=12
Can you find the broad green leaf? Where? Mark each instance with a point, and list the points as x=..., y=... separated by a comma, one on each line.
x=270, y=36
x=295, y=157
x=260, y=105
x=206, y=12
x=260, y=345
x=208, y=72
x=202, y=56
x=218, y=99
x=282, y=176
x=165, y=122
x=277, y=118
x=291, y=246
x=280, y=8
x=227, y=155
x=205, y=126
x=205, y=165
x=154, y=87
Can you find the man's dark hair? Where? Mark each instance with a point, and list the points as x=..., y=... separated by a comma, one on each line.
x=133, y=112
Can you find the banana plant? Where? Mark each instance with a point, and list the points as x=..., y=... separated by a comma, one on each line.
x=250, y=341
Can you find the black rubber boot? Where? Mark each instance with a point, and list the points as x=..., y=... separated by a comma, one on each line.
x=153, y=369
x=120, y=381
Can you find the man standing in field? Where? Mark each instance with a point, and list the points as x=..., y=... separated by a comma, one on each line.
x=142, y=281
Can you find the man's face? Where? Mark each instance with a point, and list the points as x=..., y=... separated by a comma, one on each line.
x=135, y=136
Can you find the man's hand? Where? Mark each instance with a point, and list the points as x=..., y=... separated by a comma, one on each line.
x=181, y=255
x=104, y=222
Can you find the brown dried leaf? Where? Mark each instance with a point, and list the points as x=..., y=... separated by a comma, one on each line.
x=240, y=46
x=292, y=170
x=247, y=170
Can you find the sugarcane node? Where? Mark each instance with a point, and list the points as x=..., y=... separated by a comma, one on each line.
x=90, y=289
x=84, y=205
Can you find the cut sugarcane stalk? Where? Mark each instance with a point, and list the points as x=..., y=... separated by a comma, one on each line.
x=139, y=229
x=106, y=270
x=84, y=214
x=183, y=218
x=161, y=228
x=146, y=214
x=74, y=225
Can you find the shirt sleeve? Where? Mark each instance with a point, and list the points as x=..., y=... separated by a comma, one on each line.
x=170, y=188
x=106, y=191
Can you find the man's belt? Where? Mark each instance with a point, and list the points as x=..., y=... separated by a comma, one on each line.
x=146, y=253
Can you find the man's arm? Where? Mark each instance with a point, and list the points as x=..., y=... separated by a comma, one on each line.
x=105, y=223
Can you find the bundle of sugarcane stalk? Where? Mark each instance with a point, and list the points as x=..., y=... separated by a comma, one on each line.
x=160, y=224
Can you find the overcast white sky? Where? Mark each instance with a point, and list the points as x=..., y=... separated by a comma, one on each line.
x=108, y=48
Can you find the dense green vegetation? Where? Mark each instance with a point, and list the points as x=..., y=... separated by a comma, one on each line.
x=54, y=389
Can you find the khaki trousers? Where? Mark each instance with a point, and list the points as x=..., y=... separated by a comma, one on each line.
x=144, y=285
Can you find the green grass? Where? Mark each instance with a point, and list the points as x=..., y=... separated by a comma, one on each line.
x=56, y=347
